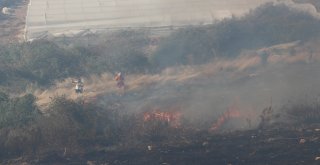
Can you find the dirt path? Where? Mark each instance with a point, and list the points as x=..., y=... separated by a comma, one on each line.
x=233, y=70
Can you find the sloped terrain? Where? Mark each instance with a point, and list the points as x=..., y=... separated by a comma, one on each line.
x=243, y=91
x=274, y=146
x=243, y=130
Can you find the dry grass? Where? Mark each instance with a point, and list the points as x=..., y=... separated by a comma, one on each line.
x=104, y=84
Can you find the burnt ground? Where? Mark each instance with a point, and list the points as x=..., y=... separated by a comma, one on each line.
x=260, y=146
x=253, y=147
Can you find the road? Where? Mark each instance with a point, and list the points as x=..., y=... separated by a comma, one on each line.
x=73, y=17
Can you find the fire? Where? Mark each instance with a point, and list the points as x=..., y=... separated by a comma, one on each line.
x=173, y=118
x=232, y=112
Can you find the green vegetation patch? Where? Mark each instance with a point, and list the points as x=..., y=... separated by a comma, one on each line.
x=265, y=26
x=16, y=112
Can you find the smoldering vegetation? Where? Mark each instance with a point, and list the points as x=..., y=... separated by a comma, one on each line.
x=249, y=77
x=67, y=129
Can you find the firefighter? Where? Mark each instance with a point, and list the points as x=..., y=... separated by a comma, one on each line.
x=79, y=86
x=120, y=80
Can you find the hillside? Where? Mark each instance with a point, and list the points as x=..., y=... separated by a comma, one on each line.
x=40, y=63
x=232, y=110
x=241, y=91
x=244, y=68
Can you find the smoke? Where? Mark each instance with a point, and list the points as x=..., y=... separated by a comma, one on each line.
x=303, y=7
x=206, y=92
x=203, y=93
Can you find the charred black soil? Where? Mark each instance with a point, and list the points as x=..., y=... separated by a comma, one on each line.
x=274, y=145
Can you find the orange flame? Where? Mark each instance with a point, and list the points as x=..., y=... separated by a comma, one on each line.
x=232, y=112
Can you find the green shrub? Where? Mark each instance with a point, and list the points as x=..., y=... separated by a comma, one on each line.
x=17, y=112
x=47, y=61
x=122, y=51
x=267, y=25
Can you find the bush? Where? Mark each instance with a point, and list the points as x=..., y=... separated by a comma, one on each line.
x=39, y=61
x=267, y=25
x=47, y=61
x=73, y=124
x=17, y=112
x=122, y=51
x=303, y=113
x=43, y=61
